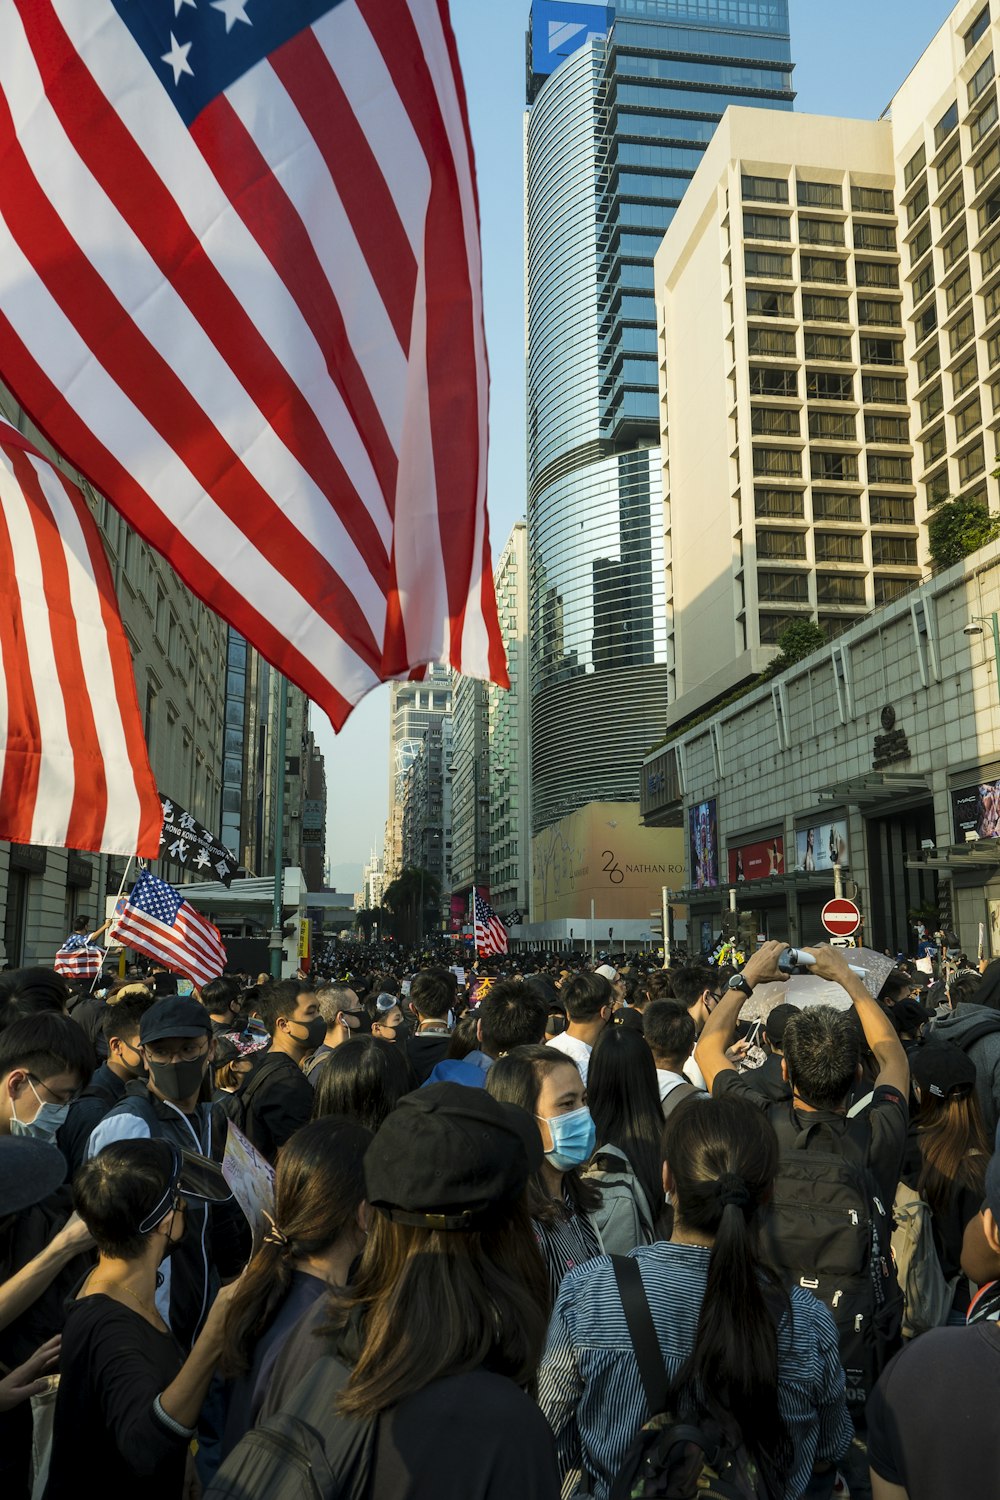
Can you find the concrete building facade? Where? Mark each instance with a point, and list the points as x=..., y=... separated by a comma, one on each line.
x=510, y=763
x=413, y=708
x=470, y=789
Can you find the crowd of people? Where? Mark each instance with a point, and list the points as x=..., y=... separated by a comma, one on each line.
x=543, y=1228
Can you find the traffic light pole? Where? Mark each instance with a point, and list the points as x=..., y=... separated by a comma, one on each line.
x=276, y=912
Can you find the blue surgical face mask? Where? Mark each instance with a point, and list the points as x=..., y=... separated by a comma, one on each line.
x=45, y=1123
x=574, y=1137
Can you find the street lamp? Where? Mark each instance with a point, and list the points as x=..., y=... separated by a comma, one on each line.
x=975, y=627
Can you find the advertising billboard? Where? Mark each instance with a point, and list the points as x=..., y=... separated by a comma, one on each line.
x=602, y=853
x=821, y=847
x=976, y=809
x=561, y=27
x=703, y=828
x=757, y=861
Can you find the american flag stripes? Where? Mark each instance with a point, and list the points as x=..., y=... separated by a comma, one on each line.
x=157, y=921
x=74, y=772
x=78, y=958
x=489, y=931
x=240, y=286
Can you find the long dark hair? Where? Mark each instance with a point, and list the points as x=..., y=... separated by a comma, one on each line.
x=723, y=1156
x=363, y=1080
x=444, y=1302
x=954, y=1148
x=319, y=1186
x=517, y=1079
x=625, y=1103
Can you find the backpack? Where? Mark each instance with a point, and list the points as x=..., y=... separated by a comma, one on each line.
x=236, y=1107
x=927, y=1296
x=827, y=1230
x=303, y=1452
x=977, y=1031
x=677, y=1095
x=623, y=1219
x=672, y=1457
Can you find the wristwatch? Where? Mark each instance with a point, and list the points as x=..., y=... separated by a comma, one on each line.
x=739, y=983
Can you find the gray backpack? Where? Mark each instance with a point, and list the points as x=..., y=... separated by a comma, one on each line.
x=623, y=1219
x=927, y=1296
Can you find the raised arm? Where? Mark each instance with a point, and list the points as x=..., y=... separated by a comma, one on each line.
x=720, y=1028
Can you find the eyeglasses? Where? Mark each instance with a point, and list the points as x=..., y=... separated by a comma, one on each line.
x=56, y=1096
x=184, y=1051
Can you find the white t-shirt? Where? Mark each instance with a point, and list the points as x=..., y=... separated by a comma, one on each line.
x=579, y=1052
x=694, y=1075
x=667, y=1082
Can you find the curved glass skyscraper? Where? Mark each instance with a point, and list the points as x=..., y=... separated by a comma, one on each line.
x=622, y=100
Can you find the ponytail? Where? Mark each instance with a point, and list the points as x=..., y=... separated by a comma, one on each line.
x=723, y=1156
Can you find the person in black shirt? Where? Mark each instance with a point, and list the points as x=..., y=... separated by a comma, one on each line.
x=768, y=1078
x=431, y=1000
x=107, y=1086
x=128, y=1400
x=276, y=1098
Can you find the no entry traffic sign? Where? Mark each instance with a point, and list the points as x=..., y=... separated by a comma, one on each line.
x=841, y=917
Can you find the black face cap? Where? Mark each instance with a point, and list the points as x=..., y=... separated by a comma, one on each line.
x=451, y=1157
x=943, y=1070
x=174, y=1016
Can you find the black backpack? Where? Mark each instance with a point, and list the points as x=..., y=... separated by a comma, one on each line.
x=678, y=1458
x=827, y=1230
x=305, y=1451
x=236, y=1107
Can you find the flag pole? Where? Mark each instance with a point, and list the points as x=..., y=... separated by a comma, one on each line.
x=276, y=913
x=117, y=899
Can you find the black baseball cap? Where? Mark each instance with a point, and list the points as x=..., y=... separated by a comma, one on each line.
x=944, y=1070
x=174, y=1016
x=451, y=1157
x=776, y=1021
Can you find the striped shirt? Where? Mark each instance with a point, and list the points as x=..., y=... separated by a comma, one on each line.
x=589, y=1385
x=566, y=1243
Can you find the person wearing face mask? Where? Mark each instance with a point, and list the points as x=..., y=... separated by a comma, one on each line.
x=276, y=1098
x=129, y=1399
x=172, y=1104
x=45, y=1060
x=548, y=1086
x=107, y=1086
x=343, y=1018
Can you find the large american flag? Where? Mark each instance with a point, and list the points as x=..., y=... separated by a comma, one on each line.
x=489, y=931
x=78, y=958
x=240, y=287
x=74, y=772
x=157, y=921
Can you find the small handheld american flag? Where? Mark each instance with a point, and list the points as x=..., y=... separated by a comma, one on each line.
x=490, y=932
x=157, y=921
x=78, y=958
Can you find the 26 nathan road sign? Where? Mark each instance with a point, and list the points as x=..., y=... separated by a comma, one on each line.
x=840, y=917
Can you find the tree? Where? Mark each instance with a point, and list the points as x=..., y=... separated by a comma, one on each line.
x=413, y=900
x=800, y=638
x=959, y=527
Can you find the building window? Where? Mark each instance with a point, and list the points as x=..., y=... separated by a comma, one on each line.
x=767, y=304
x=931, y=403
x=980, y=78
x=766, y=227
x=978, y=28
x=778, y=462
x=876, y=273
x=881, y=352
x=773, y=544
x=925, y=325
x=768, y=267
x=984, y=122
x=894, y=551
x=949, y=165
x=778, y=587
x=823, y=385
x=970, y=464
x=933, y=445
x=955, y=248
x=989, y=212
x=775, y=421
x=786, y=505
x=986, y=166
x=952, y=206
x=918, y=205
x=923, y=283
x=915, y=166
x=832, y=505
x=823, y=268
x=875, y=312
x=890, y=510
x=771, y=628
x=874, y=237
x=836, y=425
x=966, y=374
x=839, y=546
x=992, y=352
x=962, y=332
x=920, y=246
x=819, y=194
x=888, y=589
x=884, y=390
x=764, y=189
x=827, y=346
x=842, y=467
x=991, y=303
x=958, y=290
x=869, y=200
x=821, y=231
x=838, y=588
x=945, y=125
x=884, y=468
x=773, y=341
x=767, y=380
x=938, y=488
x=825, y=309
x=929, y=363
x=968, y=419
x=879, y=429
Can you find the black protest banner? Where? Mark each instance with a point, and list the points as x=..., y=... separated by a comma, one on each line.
x=185, y=841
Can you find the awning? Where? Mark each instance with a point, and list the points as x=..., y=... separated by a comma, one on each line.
x=770, y=885
x=875, y=787
x=982, y=855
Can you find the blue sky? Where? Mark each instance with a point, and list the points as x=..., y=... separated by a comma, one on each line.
x=850, y=58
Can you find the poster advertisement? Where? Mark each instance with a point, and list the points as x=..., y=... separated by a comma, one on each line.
x=976, y=809
x=704, y=836
x=760, y=861
x=994, y=929
x=251, y=1181
x=821, y=848
x=458, y=910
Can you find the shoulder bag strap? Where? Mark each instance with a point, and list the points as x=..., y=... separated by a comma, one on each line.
x=642, y=1331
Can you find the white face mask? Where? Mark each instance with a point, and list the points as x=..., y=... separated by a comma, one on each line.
x=46, y=1121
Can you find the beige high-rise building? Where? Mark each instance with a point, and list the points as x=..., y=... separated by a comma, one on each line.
x=414, y=707
x=788, y=467
x=510, y=761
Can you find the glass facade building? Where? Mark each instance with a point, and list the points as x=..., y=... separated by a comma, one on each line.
x=622, y=102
